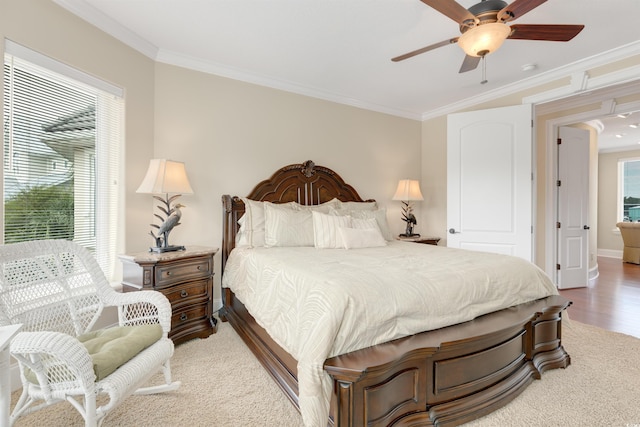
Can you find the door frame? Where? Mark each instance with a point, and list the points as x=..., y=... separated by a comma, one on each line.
x=607, y=106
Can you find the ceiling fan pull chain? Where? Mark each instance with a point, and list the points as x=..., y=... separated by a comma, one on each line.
x=484, y=70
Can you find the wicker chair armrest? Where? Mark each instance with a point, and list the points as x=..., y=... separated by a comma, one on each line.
x=59, y=361
x=144, y=307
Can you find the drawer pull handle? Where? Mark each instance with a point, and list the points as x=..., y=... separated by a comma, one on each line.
x=184, y=293
x=168, y=273
x=183, y=317
x=199, y=268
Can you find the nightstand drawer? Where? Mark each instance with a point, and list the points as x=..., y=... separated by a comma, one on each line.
x=189, y=293
x=171, y=273
x=185, y=317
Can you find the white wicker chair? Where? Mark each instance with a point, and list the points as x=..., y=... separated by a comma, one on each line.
x=56, y=289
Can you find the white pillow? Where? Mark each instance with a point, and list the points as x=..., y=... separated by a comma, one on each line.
x=284, y=226
x=354, y=238
x=251, y=232
x=243, y=236
x=380, y=216
x=322, y=207
x=325, y=230
x=364, y=224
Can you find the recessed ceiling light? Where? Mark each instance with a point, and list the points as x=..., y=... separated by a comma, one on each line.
x=619, y=135
x=624, y=115
x=634, y=125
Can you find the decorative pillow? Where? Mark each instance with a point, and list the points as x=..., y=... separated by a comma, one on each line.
x=325, y=230
x=284, y=226
x=251, y=232
x=364, y=223
x=354, y=238
x=380, y=216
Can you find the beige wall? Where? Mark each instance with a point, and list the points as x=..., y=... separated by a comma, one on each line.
x=231, y=135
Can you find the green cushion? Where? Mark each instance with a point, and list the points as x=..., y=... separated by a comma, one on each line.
x=113, y=347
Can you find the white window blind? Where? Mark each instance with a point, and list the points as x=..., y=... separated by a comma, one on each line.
x=62, y=140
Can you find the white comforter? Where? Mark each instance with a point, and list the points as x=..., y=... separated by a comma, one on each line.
x=318, y=303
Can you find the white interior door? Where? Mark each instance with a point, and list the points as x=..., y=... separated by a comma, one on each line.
x=489, y=180
x=573, y=207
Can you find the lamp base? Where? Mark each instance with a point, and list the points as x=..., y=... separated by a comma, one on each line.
x=409, y=235
x=163, y=249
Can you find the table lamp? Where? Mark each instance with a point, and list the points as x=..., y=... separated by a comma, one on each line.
x=408, y=190
x=166, y=177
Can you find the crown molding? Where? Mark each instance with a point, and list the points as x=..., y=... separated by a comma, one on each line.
x=110, y=26
x=579, y=82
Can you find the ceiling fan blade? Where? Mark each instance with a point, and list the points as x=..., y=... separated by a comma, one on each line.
x=518, y=8
x=469, y=63
x=452, y=10
x=424, y=49
x=556, y=33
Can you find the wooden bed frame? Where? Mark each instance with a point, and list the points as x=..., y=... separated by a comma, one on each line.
x=447, y=376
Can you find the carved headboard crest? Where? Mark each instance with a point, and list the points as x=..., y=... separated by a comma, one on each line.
x=308, y=168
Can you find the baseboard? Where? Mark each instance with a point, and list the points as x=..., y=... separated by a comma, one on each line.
x=610, y=253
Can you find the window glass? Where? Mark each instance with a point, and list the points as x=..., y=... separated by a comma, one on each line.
x=629, y=190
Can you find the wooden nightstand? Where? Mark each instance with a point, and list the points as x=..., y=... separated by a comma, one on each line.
x=186, y=278
x=425, y=240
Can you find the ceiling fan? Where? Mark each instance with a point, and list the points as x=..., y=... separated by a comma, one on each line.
x=484, y=28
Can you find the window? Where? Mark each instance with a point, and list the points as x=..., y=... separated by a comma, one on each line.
x=629, y=190
x=62, y=138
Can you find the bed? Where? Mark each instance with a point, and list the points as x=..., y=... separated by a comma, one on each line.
x=446, y=373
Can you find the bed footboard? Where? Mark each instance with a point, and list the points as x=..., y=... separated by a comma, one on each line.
x=452, y=375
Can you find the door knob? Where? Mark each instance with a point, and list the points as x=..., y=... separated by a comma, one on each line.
x=453, y=231
x=586, y=227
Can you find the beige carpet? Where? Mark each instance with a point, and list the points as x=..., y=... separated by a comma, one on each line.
x=224, y=385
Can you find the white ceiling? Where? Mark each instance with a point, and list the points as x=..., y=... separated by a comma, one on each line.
x=341, y=50
x=620, y=133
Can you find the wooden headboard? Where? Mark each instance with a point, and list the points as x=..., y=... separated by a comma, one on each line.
x=304, y=183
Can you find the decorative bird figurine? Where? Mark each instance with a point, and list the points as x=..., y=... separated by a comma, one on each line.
x=171, y=221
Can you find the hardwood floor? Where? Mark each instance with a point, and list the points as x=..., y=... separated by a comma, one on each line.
x=610, y=301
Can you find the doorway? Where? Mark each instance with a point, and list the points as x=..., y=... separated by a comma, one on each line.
x=551, y=117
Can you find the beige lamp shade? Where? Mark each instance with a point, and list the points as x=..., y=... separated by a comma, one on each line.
x=164, y=177
x=408, y=189
x=484, y=39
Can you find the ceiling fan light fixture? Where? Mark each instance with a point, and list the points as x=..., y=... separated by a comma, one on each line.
x=484, y=39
